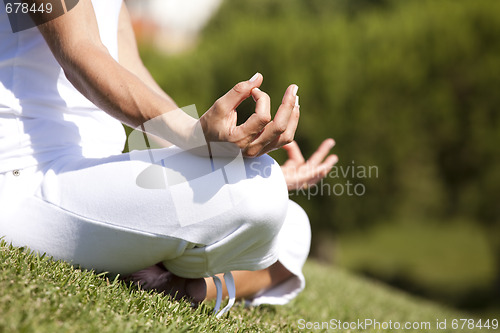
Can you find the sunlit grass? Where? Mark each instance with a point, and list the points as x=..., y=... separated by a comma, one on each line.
x=40, y=295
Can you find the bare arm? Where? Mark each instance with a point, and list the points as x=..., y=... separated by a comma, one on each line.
x=128, y=53
x=128, y=57
x=127, y=92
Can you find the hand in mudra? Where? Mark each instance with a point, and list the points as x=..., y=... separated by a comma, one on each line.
x=260, y=134
x=300, y=173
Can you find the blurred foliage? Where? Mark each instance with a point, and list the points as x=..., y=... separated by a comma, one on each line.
x=453, y=265
x=411, y=87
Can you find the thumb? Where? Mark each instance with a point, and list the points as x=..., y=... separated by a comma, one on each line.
x=241, y=91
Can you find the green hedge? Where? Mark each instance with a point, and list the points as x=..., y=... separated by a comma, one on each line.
x=410, y=87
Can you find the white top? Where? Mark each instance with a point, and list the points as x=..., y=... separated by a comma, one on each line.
x=42, y=116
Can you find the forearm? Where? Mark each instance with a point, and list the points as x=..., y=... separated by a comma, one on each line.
x=74, y=41
x=113, y=88
x=128, y=53
x=126, y=97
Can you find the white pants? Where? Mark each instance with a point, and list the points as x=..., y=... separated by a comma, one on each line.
x=121, y=214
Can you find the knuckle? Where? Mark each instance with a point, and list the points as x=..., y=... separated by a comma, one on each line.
x=266, y=97
x=296, y=113
x=252, y=152
x=280, y=127
x=233, y=139
x=240, y=88
x=264, y=119
x=288, y=138
x=290, y=103
x=220, y=104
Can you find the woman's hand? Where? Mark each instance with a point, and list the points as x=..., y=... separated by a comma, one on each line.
x=259, y=134
x=300, y=173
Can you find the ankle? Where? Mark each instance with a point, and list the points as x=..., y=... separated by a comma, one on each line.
x=196, y=289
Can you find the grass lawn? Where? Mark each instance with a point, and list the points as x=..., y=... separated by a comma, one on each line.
x=40, y=295
x=451, y=262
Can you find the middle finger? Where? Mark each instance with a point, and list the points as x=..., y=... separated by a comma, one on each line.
x=320, y=154
x=269, y=139
x=287, y=136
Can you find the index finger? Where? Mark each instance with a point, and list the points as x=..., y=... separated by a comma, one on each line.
x=254, y=125
x=282, y=117
x=320, y=154
x=240, y=92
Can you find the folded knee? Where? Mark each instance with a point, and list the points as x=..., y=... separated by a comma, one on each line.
x=266, y=200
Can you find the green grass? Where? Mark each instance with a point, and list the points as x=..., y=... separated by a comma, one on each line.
x=41, y=295
x=451, y=262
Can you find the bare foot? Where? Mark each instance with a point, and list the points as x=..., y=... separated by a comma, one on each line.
x=249, y=283
x=159, y=279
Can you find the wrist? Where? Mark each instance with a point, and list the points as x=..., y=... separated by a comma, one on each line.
x=178, y=127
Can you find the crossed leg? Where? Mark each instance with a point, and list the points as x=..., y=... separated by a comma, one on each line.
x=248, y=283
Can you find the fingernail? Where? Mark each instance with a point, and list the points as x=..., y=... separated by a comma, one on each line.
x=294, y=91
x=256, y=75
x=296, y=100
x=256, y=89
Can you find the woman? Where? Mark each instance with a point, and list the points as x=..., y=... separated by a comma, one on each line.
x=168, y=218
